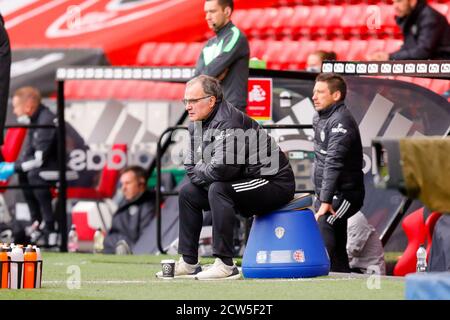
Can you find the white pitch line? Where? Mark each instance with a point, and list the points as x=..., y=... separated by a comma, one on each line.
x=119, y=282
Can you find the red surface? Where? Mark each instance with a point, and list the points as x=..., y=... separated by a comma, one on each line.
x=13, y=143
x=11, y=148
x=119, y=30
x=418, y=232
x=414, y=227
x=85, y=233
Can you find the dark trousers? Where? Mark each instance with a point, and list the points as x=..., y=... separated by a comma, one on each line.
x=334, y=230
x=39, y=200
x=247, y=197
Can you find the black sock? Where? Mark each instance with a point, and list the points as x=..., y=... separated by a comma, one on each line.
x=190, y=259
x=227, y=260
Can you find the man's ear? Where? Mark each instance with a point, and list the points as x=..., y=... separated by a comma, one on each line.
x=336, y=95
x=213, y=102
x=228, y=12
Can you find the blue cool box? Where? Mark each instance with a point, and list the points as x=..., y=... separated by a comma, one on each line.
x=285, y=244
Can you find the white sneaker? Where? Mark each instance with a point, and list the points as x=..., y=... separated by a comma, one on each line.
x=219, y=271
x=183, y=270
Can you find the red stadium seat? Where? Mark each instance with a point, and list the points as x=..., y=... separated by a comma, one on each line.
x=353, y=21
x=306, y=47
x=250, y=19
x=239, y=16
x=264, y=23
x=272, y=52
x=175, y=54
x=341, y=48
x=190, y=56
x=154, y=54
x=280, y=22
x=297, y=22
x=162, y=51
x=257, y=48
x=287, y=55
x=330, y=26
x=357, y=50
x=145, y=53
x=325, y=45
x=314, y=22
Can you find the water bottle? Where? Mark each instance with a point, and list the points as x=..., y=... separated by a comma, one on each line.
x=29, y=268
x=421, y=259
x=72, y=241
x=98, y=241
x=16, y=268
x=4, y=268
x=38, y=267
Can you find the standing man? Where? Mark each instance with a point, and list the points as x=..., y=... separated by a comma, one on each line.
x=338, y=175
x=234, y=168
x=5, y=74
x=226, y=56
x=426, y=33
x=134, y=213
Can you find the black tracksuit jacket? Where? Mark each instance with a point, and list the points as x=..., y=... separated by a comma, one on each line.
x=228, y=50
x=218, y=132
x=338, y=155
x=426, y=35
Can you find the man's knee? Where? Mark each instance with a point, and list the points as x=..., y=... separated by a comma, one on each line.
x=188, y=190
x=218, y=189
x=33, y=176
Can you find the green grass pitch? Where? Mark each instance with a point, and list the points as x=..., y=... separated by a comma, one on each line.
x=133, y=277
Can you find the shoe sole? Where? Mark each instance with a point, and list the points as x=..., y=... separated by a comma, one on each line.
x=233, y=277
x=186, y=276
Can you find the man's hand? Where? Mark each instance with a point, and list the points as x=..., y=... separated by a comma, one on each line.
x=6, y=170
x=324, y=208
x=378, y=56
x=222, y=76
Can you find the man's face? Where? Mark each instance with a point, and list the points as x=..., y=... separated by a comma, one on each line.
x=404, y=7
x=313, y=62
x=131, y=186
x=20, y=106
x=199, y=104
x=215, y=15
x=322, y=96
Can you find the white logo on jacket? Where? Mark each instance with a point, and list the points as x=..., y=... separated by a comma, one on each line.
x=340, y=129
x=133, y=210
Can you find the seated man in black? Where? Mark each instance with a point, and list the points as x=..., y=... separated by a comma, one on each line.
x=39, y=153
x=426, y=33
x=39, y=156
x=134, y=213
x=234, y=167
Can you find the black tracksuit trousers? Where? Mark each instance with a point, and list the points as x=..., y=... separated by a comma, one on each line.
x=39, y=200
x=333, y=229
x=247, y=197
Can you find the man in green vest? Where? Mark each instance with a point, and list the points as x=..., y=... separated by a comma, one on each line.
x=226, y=55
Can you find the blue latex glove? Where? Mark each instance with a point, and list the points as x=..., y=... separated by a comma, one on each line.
x=6, y=170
